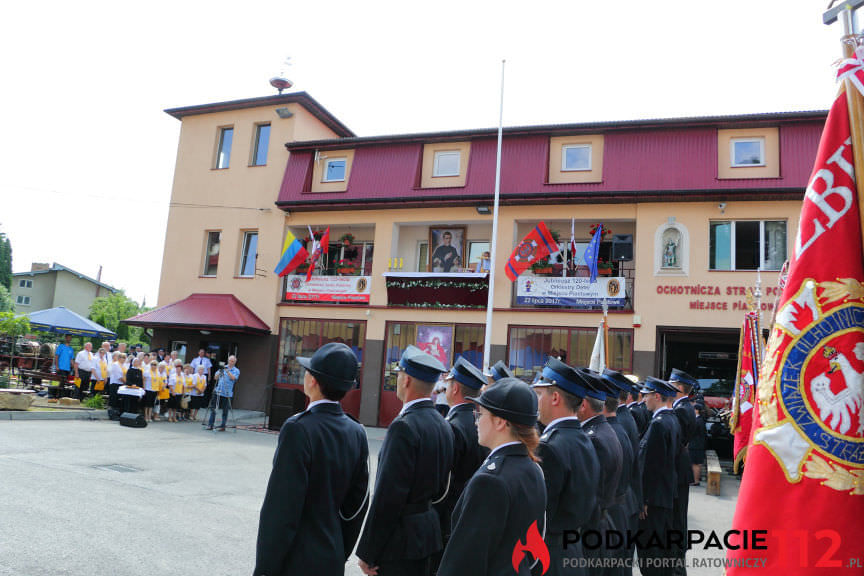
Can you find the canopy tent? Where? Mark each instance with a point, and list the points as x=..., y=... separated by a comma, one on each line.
x=61, y=320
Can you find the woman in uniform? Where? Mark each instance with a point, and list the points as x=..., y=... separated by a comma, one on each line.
x=504, y=503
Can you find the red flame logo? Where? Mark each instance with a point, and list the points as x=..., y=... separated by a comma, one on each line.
x=534, y=545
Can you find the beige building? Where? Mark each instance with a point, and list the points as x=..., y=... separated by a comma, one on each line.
x=45, y=287
x=694, y=208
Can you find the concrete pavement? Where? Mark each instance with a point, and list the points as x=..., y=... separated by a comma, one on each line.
x=89, y=498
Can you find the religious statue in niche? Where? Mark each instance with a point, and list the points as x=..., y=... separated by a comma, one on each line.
x=671, y=248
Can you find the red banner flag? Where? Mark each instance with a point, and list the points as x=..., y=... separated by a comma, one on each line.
x=749, y=360
x=804, y=479
x=536, y=245
x=318, y=246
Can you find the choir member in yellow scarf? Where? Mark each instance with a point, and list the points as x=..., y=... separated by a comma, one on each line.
x=163, y=395
x=151, y=380
x=199, y=384
x=100, y=372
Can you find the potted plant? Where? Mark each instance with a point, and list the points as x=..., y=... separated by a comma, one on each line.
x=346, y=267
x=541, y=266
x=593, y=230
x=604, y=267
x=347, y=239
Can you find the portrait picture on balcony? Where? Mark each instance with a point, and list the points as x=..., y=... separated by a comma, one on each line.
x=447, y=247
x=436, y=340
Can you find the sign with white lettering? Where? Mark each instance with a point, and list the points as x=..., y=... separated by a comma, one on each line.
x=570, y=291
x=328, y=288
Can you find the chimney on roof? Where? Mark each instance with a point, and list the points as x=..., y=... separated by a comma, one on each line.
x=36, y=266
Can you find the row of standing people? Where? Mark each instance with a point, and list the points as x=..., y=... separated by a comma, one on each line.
x=461, y=494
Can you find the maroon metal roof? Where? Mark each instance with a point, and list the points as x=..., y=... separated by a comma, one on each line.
x=639, y=164
x=218, y=312
x=302, y=98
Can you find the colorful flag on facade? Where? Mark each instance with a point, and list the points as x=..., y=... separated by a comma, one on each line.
x=749, y=361
x=318, y=247
x=536, y=245
x=293, y=254
x=804, y=478
x=592, y=251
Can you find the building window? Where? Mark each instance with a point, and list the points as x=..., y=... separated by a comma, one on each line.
x=262, y=143
x=25, y=300
x=745, y=152
x=249, y=254
x=747, y=245
x=211, y=255
x=25, y=283
x=334, y=170
x=302, y=337
x=446, y=163
x=575, y=157
x=531, y=346
x=223, y=153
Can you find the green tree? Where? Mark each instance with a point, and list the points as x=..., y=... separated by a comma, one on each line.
x=110, y=310
x=6, y=300
x=5, y=261
x=13, y=326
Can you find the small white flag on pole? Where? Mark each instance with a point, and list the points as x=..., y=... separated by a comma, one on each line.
x=598, y=355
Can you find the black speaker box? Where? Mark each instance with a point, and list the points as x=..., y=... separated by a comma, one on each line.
x=622, y=247
x=133, y=420
x=113, y=414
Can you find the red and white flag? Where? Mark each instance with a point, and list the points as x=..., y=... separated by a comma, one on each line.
x=536, y=245
x=318, y=246
x=749, y=361
x=804, y=478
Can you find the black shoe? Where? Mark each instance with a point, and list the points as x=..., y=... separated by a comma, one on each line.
x=209, y=428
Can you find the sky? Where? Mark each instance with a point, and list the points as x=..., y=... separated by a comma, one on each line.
x=88, y=153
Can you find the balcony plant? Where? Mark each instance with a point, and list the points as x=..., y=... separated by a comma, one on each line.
x=604, y=267
x=593, y=230
x=346, y=267
x=347, y=239
x=541, y=266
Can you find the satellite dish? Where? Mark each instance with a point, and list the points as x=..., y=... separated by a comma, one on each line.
x=280, y=83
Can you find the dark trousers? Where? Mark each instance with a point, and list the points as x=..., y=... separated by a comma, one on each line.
x=224, y=404
x=405, y=568
x=84, y=375
x=113, y=397
x=559, y=556
x=679, y=523
x=653, y=554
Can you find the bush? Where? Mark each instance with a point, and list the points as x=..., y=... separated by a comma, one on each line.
x=97, y=402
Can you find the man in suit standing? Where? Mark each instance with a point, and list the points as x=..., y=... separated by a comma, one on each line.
x=402, y=531
x=683, y=409
x=464, y=381
x=319, y=485
x=657, y=451
x=570, y=465
x=609, y=454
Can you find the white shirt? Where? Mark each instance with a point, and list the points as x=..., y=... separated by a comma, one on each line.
x=199, y=361
x=661, y=409
x=115, y=373
x=557, y=420
x=196, y=378
x=146, y=377
x=317, y=402
x=407, y=405
x=97, y=366
x=84, y=359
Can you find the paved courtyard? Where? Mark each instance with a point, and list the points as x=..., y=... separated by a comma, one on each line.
x=86, y=498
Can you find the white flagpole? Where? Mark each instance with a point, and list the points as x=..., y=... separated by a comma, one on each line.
x=487, y=342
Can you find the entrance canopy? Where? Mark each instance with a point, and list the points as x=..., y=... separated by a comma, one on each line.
x=214, y=312
x=61, y=320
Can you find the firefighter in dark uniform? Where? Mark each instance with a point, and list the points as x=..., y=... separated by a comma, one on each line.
x=463, y=382
x=683, y=409
x=569, y=463
x=402, y=531
x=318, y=491
x=499, y=519
x=622, y=422
x=640, y=412
x=498, y=371
x=657, y=451
x=609, y=454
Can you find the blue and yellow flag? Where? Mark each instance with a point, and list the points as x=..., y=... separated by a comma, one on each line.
x=293, y=254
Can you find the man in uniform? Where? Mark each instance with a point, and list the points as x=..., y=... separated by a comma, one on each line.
x=319, y=485
x=618, y=416
x=464, y=381
x=402, y=531
x=570, y=465
x=683, y=409
x=609, y=454
x=637, y=409
x=657, y=451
